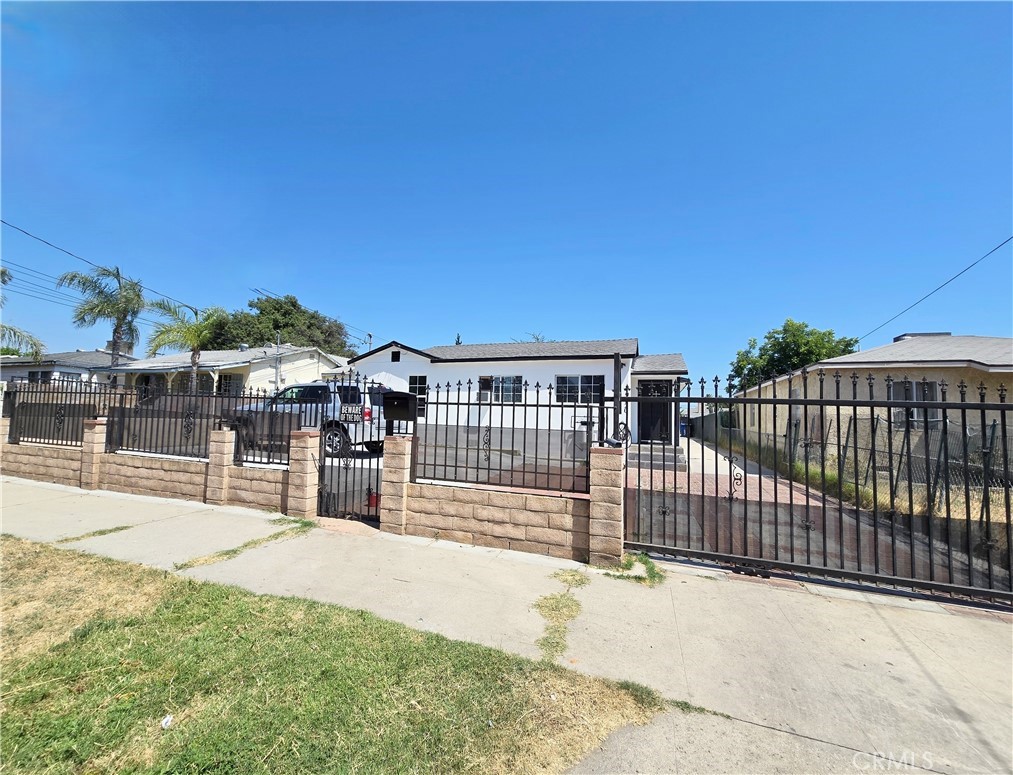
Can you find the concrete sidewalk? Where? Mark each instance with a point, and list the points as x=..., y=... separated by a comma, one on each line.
x=815, y=678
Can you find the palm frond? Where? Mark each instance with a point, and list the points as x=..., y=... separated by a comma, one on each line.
x=21, y=340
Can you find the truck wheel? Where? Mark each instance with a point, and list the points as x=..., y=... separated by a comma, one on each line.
x=336, y=442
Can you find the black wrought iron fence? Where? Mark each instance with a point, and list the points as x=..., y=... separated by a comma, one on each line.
x=54, y=412
x=522, y=437
x=893, y=482
x=173, y=423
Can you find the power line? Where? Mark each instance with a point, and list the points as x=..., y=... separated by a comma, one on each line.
x=265, y=292
x=53, y=294
x=90, y=263
x=923, y=298
x=68, y=302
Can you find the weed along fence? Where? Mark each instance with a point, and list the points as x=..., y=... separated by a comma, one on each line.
x=846, y=481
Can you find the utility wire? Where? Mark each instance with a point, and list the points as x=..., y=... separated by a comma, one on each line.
x=923, y=298
x=56, y=295
x=90, y=263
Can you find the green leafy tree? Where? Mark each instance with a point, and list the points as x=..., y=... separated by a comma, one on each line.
x=185, y=328
x=786, y=349
x=285, y=315
x=108, y=296
x=14, y=340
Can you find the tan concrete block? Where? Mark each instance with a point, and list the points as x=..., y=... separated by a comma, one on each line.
x=530, y=518
x=601, y=478
x=491, y=542
x=606, y=528
x=465, y=495
x=455, y=509
x=415, y=491
x=396, y=445
x=504, y=530
x=567, y=553
x=580, y=541
x=581, y=525
x=396, y=475
x=605, y=459
x=605, y=560
x=392, y=503
x=529, y=546
x=299, y=481
x=547, y=536
x=391, y=489
x=610, y=546
x=456, y=535
x=547, y=504
x=469, y=525
x=606, y=511
x=507, y=500
x=387, y=526
x=560, y=521
x=612, y=495
x=429, y=519
x=581, y=508
x=422, y=532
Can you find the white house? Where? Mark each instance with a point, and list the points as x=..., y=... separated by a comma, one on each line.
x=508, y=378
x=76, y=366
x=228, y=372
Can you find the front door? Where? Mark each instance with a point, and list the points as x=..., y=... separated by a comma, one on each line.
x=655, y=416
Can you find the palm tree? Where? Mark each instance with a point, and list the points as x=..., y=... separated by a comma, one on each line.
x=187, y=328
x=108, y=295
x=15, y=337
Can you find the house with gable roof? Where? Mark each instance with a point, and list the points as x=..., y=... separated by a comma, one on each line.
x=556, y=373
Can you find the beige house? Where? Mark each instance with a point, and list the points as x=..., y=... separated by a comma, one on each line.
x=914, y=367
x=229, y=372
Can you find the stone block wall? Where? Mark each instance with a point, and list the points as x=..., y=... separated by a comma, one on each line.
x=216, y=480
x=567, y=525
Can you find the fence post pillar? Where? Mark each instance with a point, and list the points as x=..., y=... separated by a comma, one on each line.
x=221, y=450
x=397, y=460
x=303, y=474
x=93, y=446
x=5, y=429
x=607, y=489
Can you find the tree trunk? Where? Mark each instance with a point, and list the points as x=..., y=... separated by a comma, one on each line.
x=114, y=346
x=194, y=360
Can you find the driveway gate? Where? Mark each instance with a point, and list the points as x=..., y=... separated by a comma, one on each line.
x=897, y=490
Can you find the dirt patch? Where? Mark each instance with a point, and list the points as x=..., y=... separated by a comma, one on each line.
x=48, y=594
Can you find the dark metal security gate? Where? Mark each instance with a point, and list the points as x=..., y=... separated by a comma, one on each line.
x=890, y=482
x=351, y=449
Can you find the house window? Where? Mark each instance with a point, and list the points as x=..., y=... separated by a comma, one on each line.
x=584, y=389
x=70, y=377
x=916, y=393
x=45, y=377
x=395, y=356
x=230, y=384
x=418, y=385
x=501, y=390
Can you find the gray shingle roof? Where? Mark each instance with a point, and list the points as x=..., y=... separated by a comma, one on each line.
x=210, y=359
x=81, y=359
x=990, y=351
x=671, y=363
x=601, y=348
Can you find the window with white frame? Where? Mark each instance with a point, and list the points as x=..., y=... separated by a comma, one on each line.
x=916, y=392
x=501, y=390
x=417, y=384
x=582, y=388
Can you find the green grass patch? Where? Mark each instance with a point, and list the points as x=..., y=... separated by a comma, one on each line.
x=228, y=554
x=94, y=534
x=260, y=684
x=688, y=707
x=652, y=577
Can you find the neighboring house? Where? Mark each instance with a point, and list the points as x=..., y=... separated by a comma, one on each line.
x=916, y=366
x=78, y=366
x=576, y=372
x=229, y=372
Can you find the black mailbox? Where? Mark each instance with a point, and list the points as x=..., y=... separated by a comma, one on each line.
x=400, y=406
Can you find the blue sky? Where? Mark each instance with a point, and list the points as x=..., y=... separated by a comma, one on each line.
x=690, y=174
